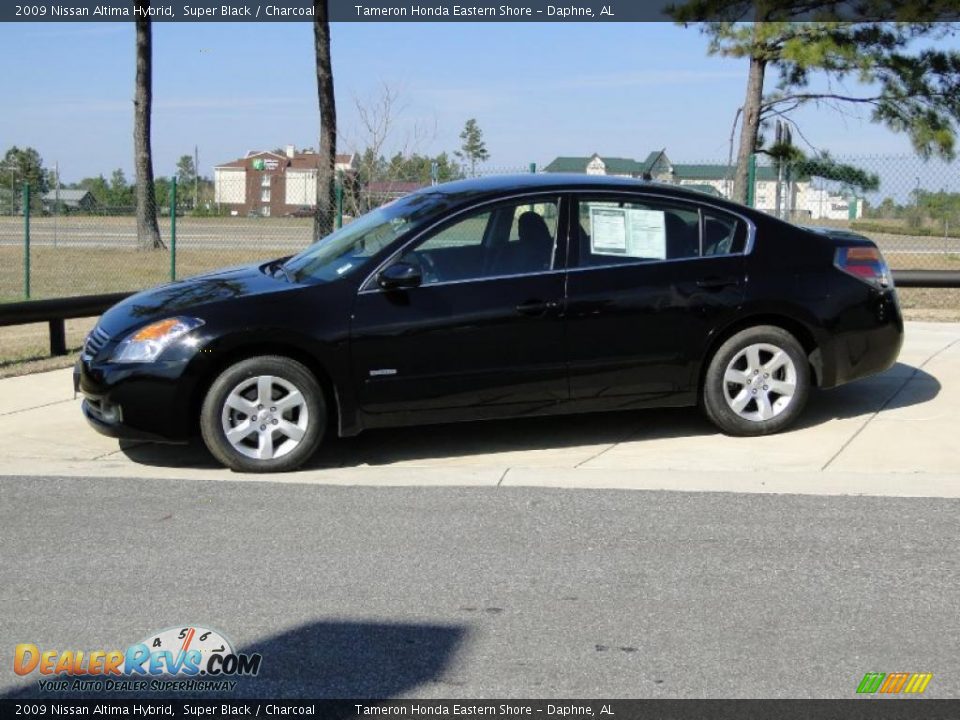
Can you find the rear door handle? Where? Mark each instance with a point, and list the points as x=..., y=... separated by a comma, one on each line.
x=716, y=283
x=536, y=307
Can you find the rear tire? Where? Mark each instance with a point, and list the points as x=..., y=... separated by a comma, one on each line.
x=757, y=383
x=264, y=414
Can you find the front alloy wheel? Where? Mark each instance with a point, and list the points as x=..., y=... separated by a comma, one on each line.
x=265, y=417
x=263, y=414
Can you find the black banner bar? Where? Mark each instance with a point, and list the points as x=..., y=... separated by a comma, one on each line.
x=471, y=10
x=874, y=708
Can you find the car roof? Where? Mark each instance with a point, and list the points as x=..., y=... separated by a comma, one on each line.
x=498, y=184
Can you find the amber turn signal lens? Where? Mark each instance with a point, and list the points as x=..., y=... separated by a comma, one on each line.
x=863, y=254
x=156, y=330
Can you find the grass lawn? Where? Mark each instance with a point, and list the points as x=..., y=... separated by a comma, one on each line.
x=25, y=348
x=59, y=272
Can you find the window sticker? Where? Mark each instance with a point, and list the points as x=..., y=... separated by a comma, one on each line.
x=608, y=231
x=647, y=234
x=628, y=232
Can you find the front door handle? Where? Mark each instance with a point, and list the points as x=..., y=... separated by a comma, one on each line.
x=717, y=283
x=536, y=308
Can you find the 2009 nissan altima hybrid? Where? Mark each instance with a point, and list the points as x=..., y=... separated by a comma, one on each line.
x=497, y=298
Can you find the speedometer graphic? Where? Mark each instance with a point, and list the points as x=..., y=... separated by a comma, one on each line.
x=183, y=650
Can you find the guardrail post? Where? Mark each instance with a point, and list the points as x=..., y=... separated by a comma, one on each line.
x=173, y=229
x=58, y=337
x=26, y=240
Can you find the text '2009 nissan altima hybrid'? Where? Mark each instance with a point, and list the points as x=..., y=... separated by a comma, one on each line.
x=496, y=298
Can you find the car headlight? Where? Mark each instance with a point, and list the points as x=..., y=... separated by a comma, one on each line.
x=146, y=344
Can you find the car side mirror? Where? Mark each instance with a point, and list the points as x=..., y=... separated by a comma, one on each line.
x=400, y=275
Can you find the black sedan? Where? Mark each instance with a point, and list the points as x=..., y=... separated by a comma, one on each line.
x=496, y=298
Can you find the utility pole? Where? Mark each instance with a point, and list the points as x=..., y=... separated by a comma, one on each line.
x=196, y=177
x=785, y=168
x=783, y=139
x=778, y=166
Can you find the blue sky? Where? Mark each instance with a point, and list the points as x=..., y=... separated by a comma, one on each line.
x=537, y=91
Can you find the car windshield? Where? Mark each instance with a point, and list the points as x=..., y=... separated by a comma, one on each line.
x=349, y=248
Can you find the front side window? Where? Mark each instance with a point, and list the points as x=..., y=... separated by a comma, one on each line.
x=351, y=247
x=514, y=238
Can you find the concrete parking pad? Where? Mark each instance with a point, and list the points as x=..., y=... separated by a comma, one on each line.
x=894, y=434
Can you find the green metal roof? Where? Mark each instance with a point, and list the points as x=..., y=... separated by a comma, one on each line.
x=622, y=165
x=718, y=172
x=567, y=164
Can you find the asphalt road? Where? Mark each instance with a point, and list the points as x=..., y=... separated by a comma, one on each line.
x=490, y=592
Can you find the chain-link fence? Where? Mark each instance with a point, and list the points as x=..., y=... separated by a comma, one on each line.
x=73, y=246
x=909, y=206
x=82, y=254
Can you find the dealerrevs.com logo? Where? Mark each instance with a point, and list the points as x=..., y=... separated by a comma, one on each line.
x=176, y=659
x=894, y=683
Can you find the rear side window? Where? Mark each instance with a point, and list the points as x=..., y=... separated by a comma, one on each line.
x=615, y=231
x=723, y=234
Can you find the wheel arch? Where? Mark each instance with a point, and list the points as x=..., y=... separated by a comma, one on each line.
x=242, y=350
x=791, y=324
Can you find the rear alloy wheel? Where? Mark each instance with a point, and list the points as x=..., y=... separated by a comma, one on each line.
x=757, y=382
x=264, y=414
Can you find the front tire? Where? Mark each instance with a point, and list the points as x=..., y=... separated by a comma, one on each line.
x=757, y=382
x=264, y=414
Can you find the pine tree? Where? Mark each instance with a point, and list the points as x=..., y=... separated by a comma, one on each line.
x=913, y=91
x=472, y=149
x=323, y=219
x=148, y=231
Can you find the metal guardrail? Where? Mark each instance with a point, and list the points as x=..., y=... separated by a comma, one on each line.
x=927, y=278
x=56, y=310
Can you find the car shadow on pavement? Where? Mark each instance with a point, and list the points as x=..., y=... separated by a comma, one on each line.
x=901, y=386
x=319, y=660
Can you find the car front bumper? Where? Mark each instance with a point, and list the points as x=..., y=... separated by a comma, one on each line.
x=137, y=402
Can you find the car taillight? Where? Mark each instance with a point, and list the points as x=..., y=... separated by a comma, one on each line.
x=865, y=263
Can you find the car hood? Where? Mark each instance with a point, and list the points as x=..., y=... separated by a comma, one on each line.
x=184, y=296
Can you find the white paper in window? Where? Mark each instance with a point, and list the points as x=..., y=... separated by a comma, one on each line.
x=628, y=232
x=608, y=231
x=646, y=234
